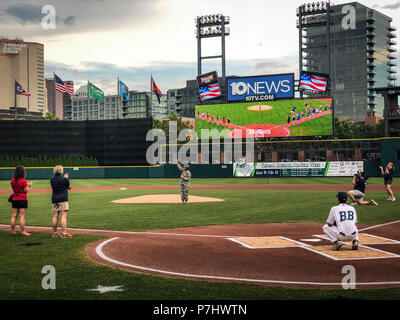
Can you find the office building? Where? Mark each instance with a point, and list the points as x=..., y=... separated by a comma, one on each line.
x=23, y=62
x=139, y=106
x=361, y=49
x=114, y=106
x=184, y=100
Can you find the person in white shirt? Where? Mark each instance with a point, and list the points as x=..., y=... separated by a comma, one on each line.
x=341, y=224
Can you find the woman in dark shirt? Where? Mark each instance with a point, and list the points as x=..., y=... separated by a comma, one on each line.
x=20, y=189
x=388, y=180
x=60, y=185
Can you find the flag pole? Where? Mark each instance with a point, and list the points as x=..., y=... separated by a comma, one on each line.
x=87, y=110
x=15, y=99
x=151, y=96
x=118, y=98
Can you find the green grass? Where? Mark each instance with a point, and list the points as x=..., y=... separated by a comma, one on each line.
x=277, y=115
x=321, y=126
x=20, y=265
x=94, y=209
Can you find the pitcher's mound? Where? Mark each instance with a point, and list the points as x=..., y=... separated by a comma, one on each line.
x=165, y=198
x=257, y=107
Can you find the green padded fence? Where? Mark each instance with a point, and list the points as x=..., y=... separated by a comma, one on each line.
x=165, y=171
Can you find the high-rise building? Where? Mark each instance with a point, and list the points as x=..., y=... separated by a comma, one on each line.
x=139, y=106
x=361, y=49
x=57, y=102
x=89, y=108
x=23, y=62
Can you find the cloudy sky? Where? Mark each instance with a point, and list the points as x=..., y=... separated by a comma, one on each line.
x=101, y=40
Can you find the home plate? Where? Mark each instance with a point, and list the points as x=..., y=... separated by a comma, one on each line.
x=165, y=198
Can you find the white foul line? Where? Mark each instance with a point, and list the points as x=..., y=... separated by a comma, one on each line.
x=100, y=253
x=380, y=225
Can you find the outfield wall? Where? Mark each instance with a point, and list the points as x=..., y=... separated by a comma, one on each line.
x=164, y=171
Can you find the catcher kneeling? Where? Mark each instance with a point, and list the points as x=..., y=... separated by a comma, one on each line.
x=341, y=224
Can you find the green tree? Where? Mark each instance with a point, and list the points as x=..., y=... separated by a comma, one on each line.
x=163, y=124
x=345, y=129
x=48, y=116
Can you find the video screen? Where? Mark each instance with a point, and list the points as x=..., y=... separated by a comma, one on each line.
x=208, y=86
x=281, y=118
x=312, y=82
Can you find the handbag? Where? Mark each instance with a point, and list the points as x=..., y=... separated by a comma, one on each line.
x=10, y=197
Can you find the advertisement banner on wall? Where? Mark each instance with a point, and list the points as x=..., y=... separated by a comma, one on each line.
x=261, y=88
x=298, y=169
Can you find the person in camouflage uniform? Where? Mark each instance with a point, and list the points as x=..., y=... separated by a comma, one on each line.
x=185, y=181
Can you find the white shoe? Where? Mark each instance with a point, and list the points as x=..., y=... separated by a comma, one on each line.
x=393, y=199
x=389, y=199
x=354, y=204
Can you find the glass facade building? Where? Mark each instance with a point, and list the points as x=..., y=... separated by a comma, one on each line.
x=361, y=56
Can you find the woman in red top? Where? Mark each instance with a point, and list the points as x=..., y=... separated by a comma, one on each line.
x=20, y=199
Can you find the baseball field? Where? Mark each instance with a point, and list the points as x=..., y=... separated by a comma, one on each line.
x=267, y=119
x=236, y=248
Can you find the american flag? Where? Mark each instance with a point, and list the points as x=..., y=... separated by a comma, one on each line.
x=60, y=86
x=69, y=87
x=210, y=91
x=63, y=87
x=312, y=82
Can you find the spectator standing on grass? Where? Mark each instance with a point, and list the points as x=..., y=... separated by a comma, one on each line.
x=19, y=202
x=60, y=186
x=388, y=179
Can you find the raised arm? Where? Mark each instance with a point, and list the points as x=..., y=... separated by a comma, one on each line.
x=179, y=165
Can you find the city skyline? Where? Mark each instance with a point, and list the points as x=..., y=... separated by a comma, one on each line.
x=101, y=41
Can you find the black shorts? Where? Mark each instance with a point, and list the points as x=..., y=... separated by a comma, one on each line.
x=388, y=181
x=20, y=204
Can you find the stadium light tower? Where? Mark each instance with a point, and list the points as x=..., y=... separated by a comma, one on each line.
x=211, y=26
x=316, y=14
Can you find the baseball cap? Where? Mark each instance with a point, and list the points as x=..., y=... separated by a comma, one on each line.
x=342, y=196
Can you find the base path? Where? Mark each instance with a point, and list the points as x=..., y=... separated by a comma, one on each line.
x=283, y=187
